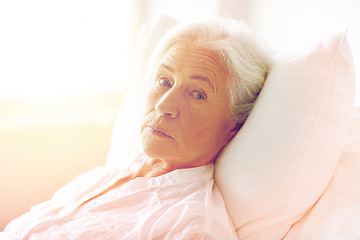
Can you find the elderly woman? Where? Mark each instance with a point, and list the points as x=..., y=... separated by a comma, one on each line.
x=206, y=79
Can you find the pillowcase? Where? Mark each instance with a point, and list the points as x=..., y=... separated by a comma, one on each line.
x=337, y=213
x=282, y=160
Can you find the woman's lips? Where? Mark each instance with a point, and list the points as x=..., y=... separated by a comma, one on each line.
x=158, y=132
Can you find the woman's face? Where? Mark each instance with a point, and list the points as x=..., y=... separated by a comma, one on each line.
x=187, y=114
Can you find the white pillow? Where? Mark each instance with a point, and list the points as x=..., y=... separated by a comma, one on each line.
x=282, y=160
x=337, y=213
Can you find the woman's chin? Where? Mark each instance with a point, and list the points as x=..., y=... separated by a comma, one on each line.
x=154, y=142
x=158, y=148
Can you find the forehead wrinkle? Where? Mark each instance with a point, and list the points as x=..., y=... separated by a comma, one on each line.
x=209, y=55
x=212, y=57
x=209, y=76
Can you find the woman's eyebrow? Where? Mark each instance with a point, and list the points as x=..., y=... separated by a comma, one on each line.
x=167, y=67
x=194, y=77
x=202, y=78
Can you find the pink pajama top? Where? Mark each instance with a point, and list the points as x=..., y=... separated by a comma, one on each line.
x=183, y=204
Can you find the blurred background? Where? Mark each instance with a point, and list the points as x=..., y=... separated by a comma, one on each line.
x=64, y=70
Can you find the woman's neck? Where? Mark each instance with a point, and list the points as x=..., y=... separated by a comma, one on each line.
x=144, y=166
x=152, y=168
x=147, y=167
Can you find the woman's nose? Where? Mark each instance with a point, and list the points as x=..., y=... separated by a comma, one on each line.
x=168, y=105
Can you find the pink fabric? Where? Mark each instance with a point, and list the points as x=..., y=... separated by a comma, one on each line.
x=183, y=204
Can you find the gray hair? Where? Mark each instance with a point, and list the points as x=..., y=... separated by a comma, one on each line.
x=244, y=58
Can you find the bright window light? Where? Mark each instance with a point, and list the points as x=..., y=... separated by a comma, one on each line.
x=52, y=48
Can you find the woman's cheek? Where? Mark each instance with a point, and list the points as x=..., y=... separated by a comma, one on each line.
x=152, y=97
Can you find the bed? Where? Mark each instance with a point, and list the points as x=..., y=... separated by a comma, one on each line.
x=293, y=171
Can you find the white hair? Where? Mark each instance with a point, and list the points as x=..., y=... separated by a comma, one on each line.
x=244, y=58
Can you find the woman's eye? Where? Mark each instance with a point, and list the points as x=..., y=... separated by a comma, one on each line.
x=165, y=82
x=199, y=95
